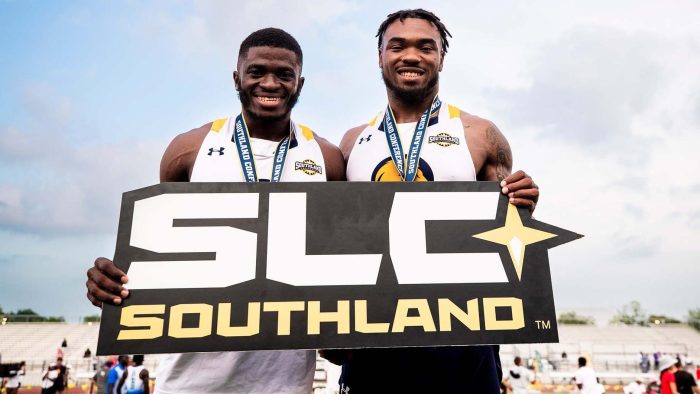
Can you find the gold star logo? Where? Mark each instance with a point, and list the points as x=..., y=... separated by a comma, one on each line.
x=516, y=237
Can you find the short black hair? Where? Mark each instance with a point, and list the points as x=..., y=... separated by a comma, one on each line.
x=138, y=359
x=582, y=361
x=416, y=13
x=271, y=37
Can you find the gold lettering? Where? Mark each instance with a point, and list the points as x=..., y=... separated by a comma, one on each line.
x=361, y=324
x=516, y=307
x=447, y=309
x=424, y=318
x=341, y=317
x=223, y=323
x=177, y=312
x=284, y=311
x=129, y=319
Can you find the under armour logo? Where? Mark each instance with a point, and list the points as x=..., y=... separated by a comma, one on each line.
x=365, y=139
x=344, y=389
x=220, y=151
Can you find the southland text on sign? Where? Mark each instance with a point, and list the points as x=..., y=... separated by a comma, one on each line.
x=251, y=266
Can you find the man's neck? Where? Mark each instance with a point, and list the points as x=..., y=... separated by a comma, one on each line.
x=409, y=112
x=272, y=130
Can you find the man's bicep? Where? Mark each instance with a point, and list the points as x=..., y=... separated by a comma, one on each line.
x=172, y=166
x=178, y=159
x=499, y=161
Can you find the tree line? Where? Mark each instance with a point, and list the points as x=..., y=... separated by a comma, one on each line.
x=632, y=314
x=30, y=316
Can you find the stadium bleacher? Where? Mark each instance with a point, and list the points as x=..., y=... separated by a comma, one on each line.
x=614, y=350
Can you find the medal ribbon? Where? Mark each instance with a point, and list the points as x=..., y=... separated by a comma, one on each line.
x=245, y=152
x=408, y=167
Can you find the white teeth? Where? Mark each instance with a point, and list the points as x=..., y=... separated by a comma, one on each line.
x=269, y=99
x=409, y=74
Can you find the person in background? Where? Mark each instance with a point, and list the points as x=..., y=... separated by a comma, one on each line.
x=685, y=382
x=14, y=382
x=61, y=381
x=667, y=365
x=636, y=387
x=116, y=373
x=134, y=380
x=645, y=364
x=585, y=378
x=518, y=376
x=48, y=379
x=99, y=380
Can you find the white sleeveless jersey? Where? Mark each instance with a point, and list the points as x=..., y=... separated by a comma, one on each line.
x=443, y=157
x=133, y=383
x=270, y=371
x=218, y=160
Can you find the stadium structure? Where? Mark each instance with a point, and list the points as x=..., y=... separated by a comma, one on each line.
x=614, y=352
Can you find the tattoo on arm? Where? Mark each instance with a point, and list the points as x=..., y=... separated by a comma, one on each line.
x=503, y=155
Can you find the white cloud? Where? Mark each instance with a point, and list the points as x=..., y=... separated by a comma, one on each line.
x=75, y=190
x=218, y=27
x=53, y=183
x=586, y=86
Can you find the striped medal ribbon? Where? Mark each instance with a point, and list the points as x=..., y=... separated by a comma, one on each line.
x=241, y=137
x=408, y=167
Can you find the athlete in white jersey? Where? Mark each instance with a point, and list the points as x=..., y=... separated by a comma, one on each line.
x=419, y=138
x=518, y=377
x=134, y=380
x=444, y=155
x=218, y=160
x=261, y=371
x=268, y=79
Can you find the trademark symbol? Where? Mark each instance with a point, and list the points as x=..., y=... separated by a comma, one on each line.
x=543, y=324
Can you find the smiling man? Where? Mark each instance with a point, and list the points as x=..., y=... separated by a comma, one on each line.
x=417, y=137
x=260, y=144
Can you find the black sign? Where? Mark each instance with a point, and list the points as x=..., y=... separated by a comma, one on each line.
x=251, y=266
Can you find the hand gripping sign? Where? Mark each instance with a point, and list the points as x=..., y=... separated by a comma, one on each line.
x=252, y=266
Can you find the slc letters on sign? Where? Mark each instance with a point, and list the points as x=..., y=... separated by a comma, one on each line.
x=252, y=266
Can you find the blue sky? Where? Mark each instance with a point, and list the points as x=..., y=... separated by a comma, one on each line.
x=600, y=102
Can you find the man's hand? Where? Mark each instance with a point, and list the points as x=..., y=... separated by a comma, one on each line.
x=521, y=190
x=105, y=283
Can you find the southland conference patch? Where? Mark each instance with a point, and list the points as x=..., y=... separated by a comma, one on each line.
x=308, y=166
x=252, y=266
x=443, y=139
